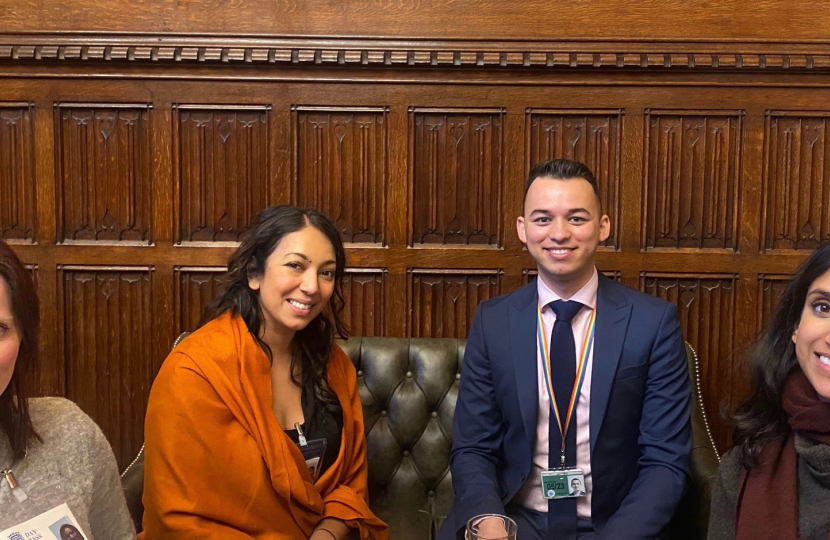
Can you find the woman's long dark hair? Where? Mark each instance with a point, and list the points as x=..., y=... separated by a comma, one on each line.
x=312, y=345
x=15, y=421
x=761, y=418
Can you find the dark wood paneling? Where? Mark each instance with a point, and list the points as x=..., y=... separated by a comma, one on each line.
x=32, y=268
x=706, y=306
x=342, y=166
x=107, y=326
x=711, y=156
x=443, y=304
x=691, y=175
x=591, y=137
x=531, y=275
x=104, y=165
x=43, y=377
x=457, y=177
x=797, y=180
x=365, y=293
x=17, y=172
x=195, y=288
x=770, y=290
x=222, y=166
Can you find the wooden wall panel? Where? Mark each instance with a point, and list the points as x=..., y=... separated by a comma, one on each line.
x=17, y=172
x=797, y=180
x=32, y=268
x=365, y=292
x=706, y=306
x=591, y=137
x=43, y=378
x=529, y=275
x=342, y=168
x=443, y=304
x=770, y=290
x=195, y=288
x=223, y=170
x=457, y=177
x=104, y=164
x=148, y=154
x=107, y=326
x=691, y=174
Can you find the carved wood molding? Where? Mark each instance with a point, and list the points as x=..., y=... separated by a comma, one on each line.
x=402, y=53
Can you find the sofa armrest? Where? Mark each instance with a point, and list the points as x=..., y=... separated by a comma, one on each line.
x=691, y=521
x=132, y=480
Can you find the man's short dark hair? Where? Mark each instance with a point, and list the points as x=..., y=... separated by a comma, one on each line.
x=561, y=169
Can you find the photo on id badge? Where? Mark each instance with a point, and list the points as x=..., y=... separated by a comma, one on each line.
x=577, y=489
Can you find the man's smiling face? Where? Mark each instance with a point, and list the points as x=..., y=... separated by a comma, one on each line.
x=562, y=227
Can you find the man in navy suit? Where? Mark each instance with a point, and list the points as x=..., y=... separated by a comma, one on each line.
x=611, y=358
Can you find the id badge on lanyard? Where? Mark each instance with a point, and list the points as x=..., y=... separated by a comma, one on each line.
x=313, y=452
x=564, y=482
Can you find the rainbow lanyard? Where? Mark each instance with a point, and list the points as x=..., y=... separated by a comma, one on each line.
x=580, y=373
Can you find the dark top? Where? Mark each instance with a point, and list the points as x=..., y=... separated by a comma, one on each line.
x=320, y=423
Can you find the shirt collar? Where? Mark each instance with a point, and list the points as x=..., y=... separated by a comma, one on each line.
x=587, y=295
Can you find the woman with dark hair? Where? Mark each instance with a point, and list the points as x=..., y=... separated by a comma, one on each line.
x=51, y=453
x=254, y=427
x=775, y=482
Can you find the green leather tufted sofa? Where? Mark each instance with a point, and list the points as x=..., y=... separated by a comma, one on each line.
x=409, y=389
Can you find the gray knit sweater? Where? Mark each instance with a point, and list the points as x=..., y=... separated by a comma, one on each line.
x=813, y=493
x=74, y=465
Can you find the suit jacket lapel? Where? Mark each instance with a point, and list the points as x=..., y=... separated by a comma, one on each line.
x=523, y=347
x=613, y=314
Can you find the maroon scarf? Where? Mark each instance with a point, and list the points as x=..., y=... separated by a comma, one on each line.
x=768, y=500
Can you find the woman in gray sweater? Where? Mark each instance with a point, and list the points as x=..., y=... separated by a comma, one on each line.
x=775, y=482
x=51, y=453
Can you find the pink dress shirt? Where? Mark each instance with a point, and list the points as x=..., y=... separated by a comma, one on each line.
x=530, y=495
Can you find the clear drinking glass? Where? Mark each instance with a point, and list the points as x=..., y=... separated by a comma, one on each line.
x=491, y=527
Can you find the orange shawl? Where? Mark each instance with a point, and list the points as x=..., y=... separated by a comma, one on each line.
x=219, y=466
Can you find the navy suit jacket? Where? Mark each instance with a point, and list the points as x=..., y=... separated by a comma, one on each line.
x=640, y=428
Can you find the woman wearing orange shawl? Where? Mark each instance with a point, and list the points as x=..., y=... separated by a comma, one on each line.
x=235, y=404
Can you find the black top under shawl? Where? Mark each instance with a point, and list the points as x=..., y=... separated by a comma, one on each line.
x=320, y=423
